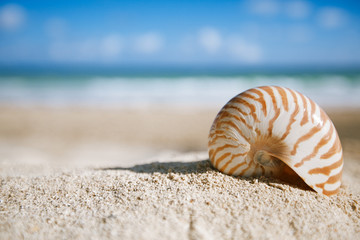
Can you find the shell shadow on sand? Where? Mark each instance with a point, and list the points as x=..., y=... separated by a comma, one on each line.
x=194, y=167
x=201, y=166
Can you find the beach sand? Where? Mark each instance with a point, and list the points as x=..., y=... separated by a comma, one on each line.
x=86, y=173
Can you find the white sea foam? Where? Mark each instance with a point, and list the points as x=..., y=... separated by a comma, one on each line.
x=326, y=90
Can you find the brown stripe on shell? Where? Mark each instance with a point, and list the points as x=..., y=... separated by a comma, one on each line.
x=232, y=170
x=257, y=131
x=283, y=98
x=248, y=95
x=218, y=131
x=233, y=126
x=222, y=157
x=222, y=169
x=244, y=170
x=270, y=91
x=211, y=152
x=242, y=101
x=261, y=99
x=222, y=148
x=258, y=99
x=305, y=137
x=228, y=114
x=217, y=137
x=229, y=106
x=327, y=170
x=329, y=193
x=271, y=122
x=323, y=141
x=313, y=109
x=331, y=180
x=335, y=148
x=305, y=118
x=292, y=117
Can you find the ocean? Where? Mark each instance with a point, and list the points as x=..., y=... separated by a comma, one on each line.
x=126, y=91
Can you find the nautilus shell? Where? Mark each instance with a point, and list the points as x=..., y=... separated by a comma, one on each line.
x=277, y=132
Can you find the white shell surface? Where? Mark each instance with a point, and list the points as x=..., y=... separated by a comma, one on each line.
x=267, y=130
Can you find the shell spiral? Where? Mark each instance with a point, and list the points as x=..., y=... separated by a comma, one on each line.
x=275, y=131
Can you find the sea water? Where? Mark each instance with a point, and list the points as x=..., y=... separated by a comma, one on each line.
x=328, y=90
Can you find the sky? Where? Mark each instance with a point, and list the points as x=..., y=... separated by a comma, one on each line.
x=251, y=32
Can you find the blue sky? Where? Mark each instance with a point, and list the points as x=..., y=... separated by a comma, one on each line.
x=252, y=32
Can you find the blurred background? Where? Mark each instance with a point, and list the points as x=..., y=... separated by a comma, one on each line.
x=115, y=80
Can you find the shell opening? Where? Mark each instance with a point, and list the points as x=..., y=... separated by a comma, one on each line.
x=286, y=174
x=266, y=159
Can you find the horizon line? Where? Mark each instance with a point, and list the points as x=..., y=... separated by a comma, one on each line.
x=157, y=69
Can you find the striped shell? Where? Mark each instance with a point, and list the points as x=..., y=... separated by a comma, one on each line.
x=278, y=132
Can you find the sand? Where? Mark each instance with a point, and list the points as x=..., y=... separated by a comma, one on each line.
x=77, y=173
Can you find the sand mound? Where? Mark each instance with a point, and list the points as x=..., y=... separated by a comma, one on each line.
x=176, y=197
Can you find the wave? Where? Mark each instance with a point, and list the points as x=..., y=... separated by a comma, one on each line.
x=326, y=90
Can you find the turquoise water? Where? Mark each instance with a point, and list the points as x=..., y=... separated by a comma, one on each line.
x=328, y=90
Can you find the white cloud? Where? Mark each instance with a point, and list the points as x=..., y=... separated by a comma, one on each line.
x=331, y=17
x=149, y=43
x=111, y=46
x=297, y=9
x=210, y=39
x=244, y=51
x=264, y=7
x=12, y=16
